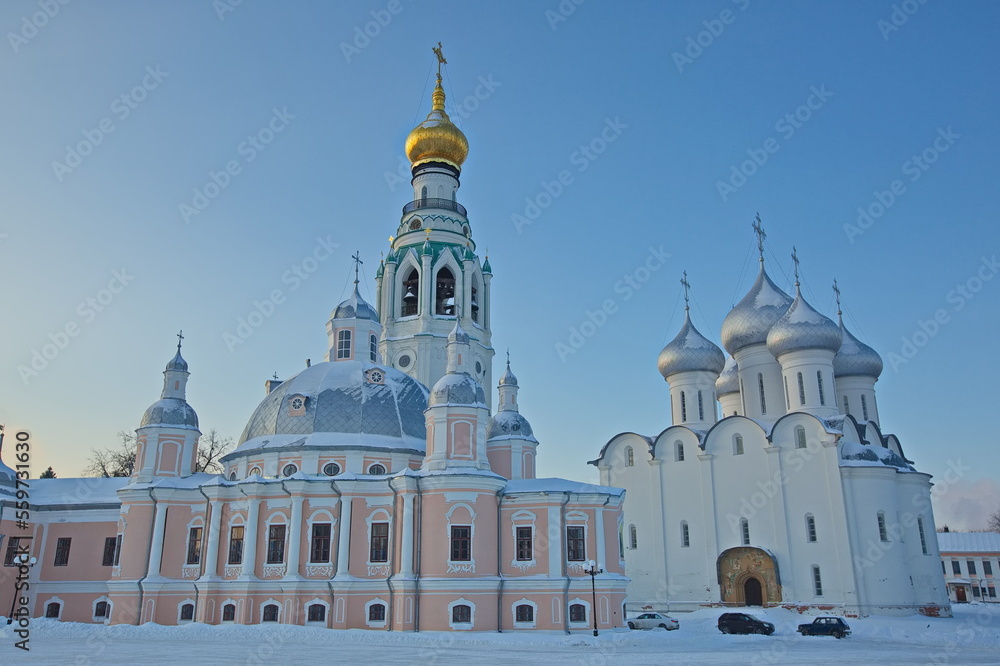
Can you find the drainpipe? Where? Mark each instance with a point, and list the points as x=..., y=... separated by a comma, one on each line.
x=329, y=581
x=416, y=567
x=204, y=545
x=149, y=552
x=500, y=562
x=562, y=558
x=600, y=516
x=392, y=557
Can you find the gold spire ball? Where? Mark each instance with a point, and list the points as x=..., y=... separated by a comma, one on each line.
x=437, y=139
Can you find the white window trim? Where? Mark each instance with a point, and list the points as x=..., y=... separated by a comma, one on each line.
x=587, y=619
x=263, y=604
x=57, y=600
x=534, y=613
x=377, y=516
x=465, y=566
x=276, y=518
x=222, y=609
x=321, y=516
x=196, y=521
x=181, y=605
x=93, y=610
x=522, y=518
x=462, y=626
x=377, y=624
x=576, y=519
x=316, y=623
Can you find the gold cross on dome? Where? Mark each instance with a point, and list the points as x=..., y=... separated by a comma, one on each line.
x=440, y=57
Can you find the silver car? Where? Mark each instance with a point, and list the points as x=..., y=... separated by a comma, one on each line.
x=653, y=621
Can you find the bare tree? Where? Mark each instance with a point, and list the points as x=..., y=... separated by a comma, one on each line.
x=210, y=449
x=120, y=460
x=993, y=522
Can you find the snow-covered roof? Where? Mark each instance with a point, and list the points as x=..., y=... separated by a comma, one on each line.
x=855, y=454
x=340, y=440
x=82, y=491
x=969, y=542
x=552, y=485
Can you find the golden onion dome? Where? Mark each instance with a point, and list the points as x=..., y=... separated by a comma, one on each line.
x=437, y=139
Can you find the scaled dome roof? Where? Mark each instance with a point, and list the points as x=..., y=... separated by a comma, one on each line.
x=729, y=380
x=355, y=307
x=457, y=388
x=508, y=424
x=750, y=320
x=437, y=139
x=171, y=412
x=855, y=358
x=690, y=351
x=802, y=327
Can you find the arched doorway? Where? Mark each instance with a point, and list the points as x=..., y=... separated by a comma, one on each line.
x=748, y=576
x=752, y=593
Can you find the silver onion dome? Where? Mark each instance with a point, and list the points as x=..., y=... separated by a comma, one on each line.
x=729, y=380
x=177, y=363
x=802, y=327
x=355, y=307
x=170, y=412
x=750, y=320
x=509, y=425
x=457, y=388
x=690, y=351
x=508, y=378
x=855, y=358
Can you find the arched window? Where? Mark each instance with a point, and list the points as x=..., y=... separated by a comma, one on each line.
x=864, y=407
x=444, y=297
x=737, y=445
x=684, y=407
x=788, y=404
x=633, y=537
x=461, y=614
x=52, y=609
x=523, y=613
x=229, y=613
x=819, y=383
x=411, y=291
x=701, y=408
x=800, y=437
x=187, y=613
x=373, y=347
x=344, y=344
x=679, y=451
x=232, y=476
x=423, y=193
x=101, y=610
x=817, y=582
x=376, y=469
x=317, y=613
x=883, y=532
x=745, y=531
x=760, y=387
x=254, y=470
x=923, y=537
x=577, y=613
x=235, y=545
x=802, y=389
x=685, y=534
x=270, y=613
x=810, y=528
x=847, y=406
x=629, y=456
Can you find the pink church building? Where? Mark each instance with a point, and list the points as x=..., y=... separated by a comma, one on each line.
x=357, y=497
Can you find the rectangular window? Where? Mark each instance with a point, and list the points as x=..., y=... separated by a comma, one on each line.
x=680, y=452
x=109, y=552
x=577, y=613
x=461, y=543
x=379, y=551
x=923, y=538
x=62, y=552
x=975, y=591
x=956, y=568
x=524, y=549
x=864, y=407
x=819, y=382
x=576, y=550
x=760, y=386
x=118, y=548
x=987, y=567
x=344, y=344
x=847, y=406
x=943, y=569
x=811, y=529
x=817, y=582
x=275, y=544
x=701, y=408
x=194, y=546
x=12, y=546
x=802, y=390
x=685, y=536
x=788, y=404
x=235, y=545
x=972, y=567
x=319, y=552
x=992, y=592
x=883, y=533
x=684, y=407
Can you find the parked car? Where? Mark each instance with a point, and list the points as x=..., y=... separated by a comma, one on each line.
x=744, y=623
x=825, y=626
x=653, y=621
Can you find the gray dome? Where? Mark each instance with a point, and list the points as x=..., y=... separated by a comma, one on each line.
x=750, y=320
x=177, y=362
x=690, y=351
x=171, y=412
x=351, y=403
x=457, y=388
x=508, y=378
x=355, y=307
x=508, y=424
x=802, y=327
x=855, y=358
x=458, y=334
x=729, y=380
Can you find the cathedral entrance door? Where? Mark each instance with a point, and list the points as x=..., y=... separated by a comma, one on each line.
x=752, y=592
x=960, y=595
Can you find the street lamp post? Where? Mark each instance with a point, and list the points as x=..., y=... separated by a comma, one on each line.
x=592, y=571
x=19, y=560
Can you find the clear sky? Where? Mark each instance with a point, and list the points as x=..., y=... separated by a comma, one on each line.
x=673, y=122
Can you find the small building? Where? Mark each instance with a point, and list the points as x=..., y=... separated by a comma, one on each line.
x=970, y=564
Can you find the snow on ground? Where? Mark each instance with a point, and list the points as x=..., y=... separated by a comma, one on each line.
x=971, y=637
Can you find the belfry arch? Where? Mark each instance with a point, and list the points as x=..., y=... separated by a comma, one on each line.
x=748, y=576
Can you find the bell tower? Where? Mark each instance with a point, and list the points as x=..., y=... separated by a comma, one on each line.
x=432, y=269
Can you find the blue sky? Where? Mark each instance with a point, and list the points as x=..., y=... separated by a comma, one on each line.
x=710, y=113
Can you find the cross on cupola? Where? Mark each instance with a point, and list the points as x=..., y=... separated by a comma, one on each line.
x=180, y=338
x=758, y=228
x=836, y=290
x=795, y=260
x=357, y=265
x=687, y=291
x=440, y=57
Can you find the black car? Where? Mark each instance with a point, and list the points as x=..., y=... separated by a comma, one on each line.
x=744, y=623
x=825, y=626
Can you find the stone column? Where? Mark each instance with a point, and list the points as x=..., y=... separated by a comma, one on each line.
x=250, y=539
x=295, y=538
x=344, y=537
x=602, y=548
x=156, y=548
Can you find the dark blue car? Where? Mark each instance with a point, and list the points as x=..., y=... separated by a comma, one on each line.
x=825, y=626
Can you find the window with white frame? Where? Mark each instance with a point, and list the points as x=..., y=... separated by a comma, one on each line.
x=373, y=348
x=235, y=545
x=102, y=610
x=633, y=537
x=685, y=535
x=701, y=408
x=629, y=456
x=461, y=613
x=817, y=581
x=525, y=611
x=810, y=528
x=679, y=451
x=275, y=544
x=576, y=550
x=883, y=532
x=524, y=546
x=745, y=531
x=737, y=445
x=229, y=612
x=819, y=383
x=185, y=611
x=344, y=344
x=53, y=609
x=864, y=407
x=378, y=550
x=923, y=540
x=800, y=437
x=461, y=543
x=802, y=389
x=194, y=546
x=760, y=387
x=684, y=407
x=316, y=612
x=269, y=613
x=319, y=545
x=578, y=611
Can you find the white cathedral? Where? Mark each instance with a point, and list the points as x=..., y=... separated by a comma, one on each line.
x=794, y=496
